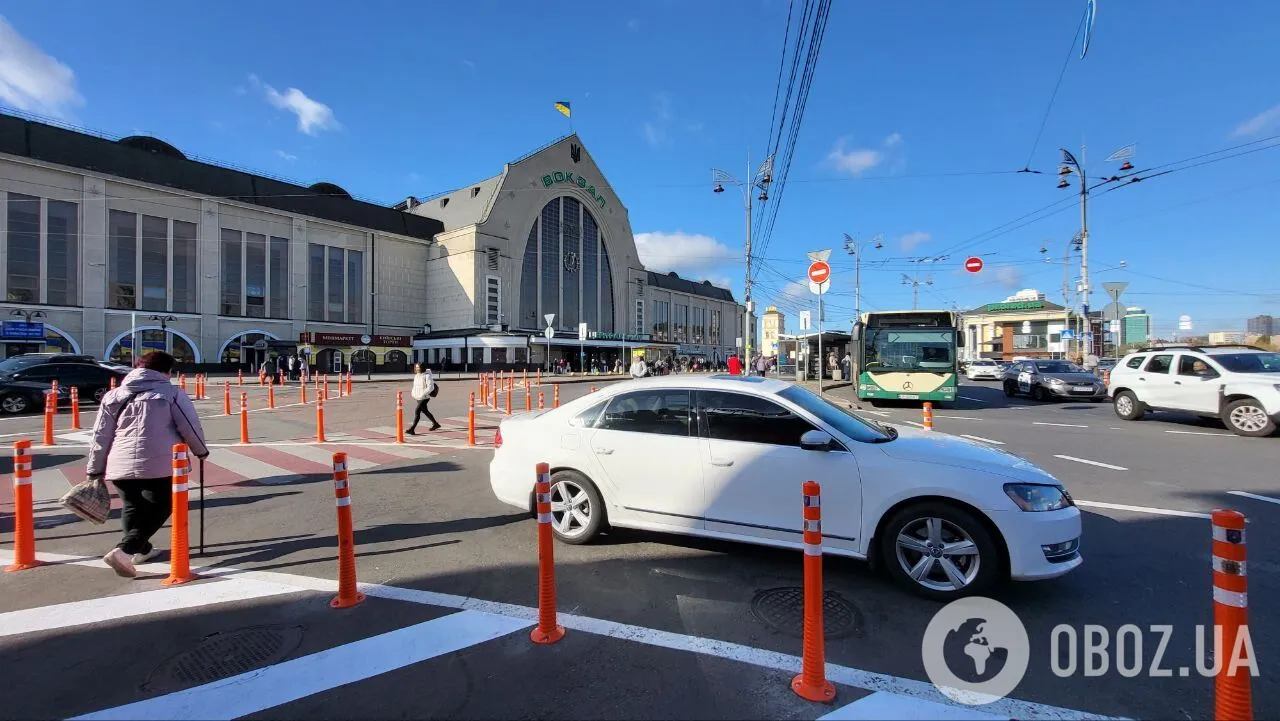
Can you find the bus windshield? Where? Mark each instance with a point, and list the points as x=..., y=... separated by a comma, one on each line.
x=907, y=349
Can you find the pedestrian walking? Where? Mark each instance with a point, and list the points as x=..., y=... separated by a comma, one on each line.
x=293, y=367
x=424, y=389
x=735, y=365
x=639, y=369
x=132, y=447
x=848, y=367
x=762, y=365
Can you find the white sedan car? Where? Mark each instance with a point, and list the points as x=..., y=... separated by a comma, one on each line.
x=984, y=369
x=725, y=456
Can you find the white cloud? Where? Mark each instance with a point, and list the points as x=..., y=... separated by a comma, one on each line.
x=857, y=161
x=893, y=140
x=313, y=116
x=33, y=80
x=693, y=256
x=1009, y=276
x=911, y=240
x=287, y=156
x=653, y=135
x=1258, y=123
x=470, y=64
x=633, y=24
x=655, y=130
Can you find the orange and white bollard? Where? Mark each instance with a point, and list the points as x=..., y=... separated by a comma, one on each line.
x=179, y=532
x=50, y=408
x=326, y=387
x=555, y=396
x=320, y=419
x=493, y=397
x=541, y=404
x=399, y=416
x=302, y=389
x=524, y=377
x=480, y=388
x=812, y=683
x=271, y=392
x=240, y=376
x=24, y=534
x=471, y=421
x=1232, y=695
x=226, y=398
x=348, y=595
x=112, y=384
x=510, y=392
x=350, y=384
x=53, y=386
x=928, y=416
x=547, y=630
x=75, y=408
x=182, y=382
x=244, y=417
x=538, y=382
x=528, y=399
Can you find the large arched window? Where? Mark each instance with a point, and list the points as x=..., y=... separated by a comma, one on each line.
x=149, y=339
x=566, y=270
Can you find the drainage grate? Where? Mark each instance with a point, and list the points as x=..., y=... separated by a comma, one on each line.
x=782, y=609
x=223, y=655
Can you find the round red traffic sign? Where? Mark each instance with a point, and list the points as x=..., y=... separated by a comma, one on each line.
x=973, y=264
x=819, y=271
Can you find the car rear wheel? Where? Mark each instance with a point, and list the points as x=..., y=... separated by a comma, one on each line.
x=15, y=403
x=576, y=509
x=1128, y=407
x=99, y=394
x=940, y=551
x=1247, y=417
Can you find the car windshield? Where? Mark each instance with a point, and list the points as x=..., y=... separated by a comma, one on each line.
x=17, y=363
x=910, y=350
x=1058, y=367
x=1249, y=362
x=844, y=421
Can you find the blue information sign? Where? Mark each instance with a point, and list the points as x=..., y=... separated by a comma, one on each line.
x=21, y=330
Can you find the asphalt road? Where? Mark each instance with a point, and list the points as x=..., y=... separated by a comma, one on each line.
x=658, y=626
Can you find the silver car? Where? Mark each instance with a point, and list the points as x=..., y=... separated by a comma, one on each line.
x=1046, y=379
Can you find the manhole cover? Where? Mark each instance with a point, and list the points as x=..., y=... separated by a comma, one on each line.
x=223, y=655
x=782, y=609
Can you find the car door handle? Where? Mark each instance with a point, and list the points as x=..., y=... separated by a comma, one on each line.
x=720, y=462
x=1177, y=383
x=604, y=451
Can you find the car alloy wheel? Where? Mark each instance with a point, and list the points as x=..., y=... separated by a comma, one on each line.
x=14, y=404
x=938, y=554
x=1124, y=404
x=99, y=394
x=570, y=509
x=1246, y=417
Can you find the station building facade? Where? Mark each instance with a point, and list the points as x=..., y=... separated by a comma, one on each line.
x=111, y=245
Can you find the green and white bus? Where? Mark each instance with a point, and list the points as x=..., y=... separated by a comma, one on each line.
x=907, y=355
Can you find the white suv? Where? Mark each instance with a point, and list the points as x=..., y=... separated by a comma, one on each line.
x=1238, y=384
x=983, y=368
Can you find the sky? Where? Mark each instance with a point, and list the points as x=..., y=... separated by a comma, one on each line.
x=919, y=115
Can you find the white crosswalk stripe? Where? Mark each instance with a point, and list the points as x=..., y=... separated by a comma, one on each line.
x=260, y=471
x=323, y=455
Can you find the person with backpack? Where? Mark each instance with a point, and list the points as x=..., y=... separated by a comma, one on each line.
x=424, y=389
x=132, y=447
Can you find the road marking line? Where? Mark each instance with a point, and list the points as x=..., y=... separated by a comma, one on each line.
x=1141, y=509
x=281, y=683
x=980, y=438
x=1201, y=433
x=961, y=418
x=884, y=705
x=252, y=469
x=1092, y=463
x=1255, y=496
x=869, y=680
x=1061, y=425
x=975, y=400
x=917, y=425
x=315, y=454
x=129, y=605
x=878, y=413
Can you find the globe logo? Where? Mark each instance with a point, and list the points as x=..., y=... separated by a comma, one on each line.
x=975, y=650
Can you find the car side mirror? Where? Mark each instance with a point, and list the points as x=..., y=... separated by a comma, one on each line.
x=816, y=441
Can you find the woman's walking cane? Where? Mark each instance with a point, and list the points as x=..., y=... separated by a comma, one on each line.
x=201, y=506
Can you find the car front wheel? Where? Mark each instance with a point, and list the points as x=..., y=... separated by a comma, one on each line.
x=1247, y=417
x=1010, y=388
x=940, y=551
x=15, y=403
x=577, y=512
x=1128, y=407
x=99, y=394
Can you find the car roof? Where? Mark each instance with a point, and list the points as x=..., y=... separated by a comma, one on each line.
x=718, y=381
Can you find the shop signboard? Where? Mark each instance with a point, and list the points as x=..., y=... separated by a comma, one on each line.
x=22, y=330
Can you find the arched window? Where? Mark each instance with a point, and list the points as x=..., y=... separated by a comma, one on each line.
x=149, y=339
x=566, y=270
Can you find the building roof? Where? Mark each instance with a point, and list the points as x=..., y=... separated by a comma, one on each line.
x=458, y=208
x=672, y=281
x=1017, y=306
x=149, y=160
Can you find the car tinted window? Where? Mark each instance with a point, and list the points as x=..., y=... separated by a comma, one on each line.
x=1159, y=363
x=842, y=420
x=1250, y=362
x=39, y=373
x=662, y=411
x=752, y=419
x=1135, y=361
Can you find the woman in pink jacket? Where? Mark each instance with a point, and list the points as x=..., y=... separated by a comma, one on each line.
x=133, y=437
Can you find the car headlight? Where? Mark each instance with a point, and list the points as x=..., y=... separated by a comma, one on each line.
x=1036, y=497
x=1055, y=381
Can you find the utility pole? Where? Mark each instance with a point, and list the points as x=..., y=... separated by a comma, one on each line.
x=759, y=181
x=915, y=288
x=855, y=248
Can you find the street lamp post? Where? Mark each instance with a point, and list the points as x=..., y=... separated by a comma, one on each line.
x=164, y=331
x=759, y=181
x=855, y=248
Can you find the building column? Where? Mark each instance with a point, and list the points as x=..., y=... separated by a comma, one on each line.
x=208, y=285
x=93, y=263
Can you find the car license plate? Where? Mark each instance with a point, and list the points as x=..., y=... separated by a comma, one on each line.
x=909, y=397
x=1081, y=390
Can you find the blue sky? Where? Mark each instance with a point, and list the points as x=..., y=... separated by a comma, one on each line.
x=389, y=100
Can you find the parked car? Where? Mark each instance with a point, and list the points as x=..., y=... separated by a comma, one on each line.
x=26, y=360
x=1048, y=379
x=26, y=396
x=983, y=368
x=725, y=457
x=92, y=379
x=1240, y=385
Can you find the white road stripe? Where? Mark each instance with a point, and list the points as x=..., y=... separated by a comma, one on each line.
x=980, y=438
x=252, y=468
x=1060, y=425
x=882, y=706
x=1254, y=496
x=917, y=425
x=878, y=413
x=960, y=418
x=318, y=454
x=1141, y=509
x=130, y=605
x=1092, y=463
x=266, y=688
x=1201, y=433
x=975, y=400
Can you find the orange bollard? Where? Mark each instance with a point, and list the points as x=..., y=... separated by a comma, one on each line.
x=812, y=683
x=226, y=398
x=493, y=398
x=50, y=403
x=320, y=419
x=471, y=421
x=179, y=534
x=182, y=382
x=510, y=393
x=524, y=378
x=240, y=376
x=480, y=388
x=593, y=389
x=244, y=417
x=112, y=385
x=1232, y=695
x=350, y=384
x=75, y=408
x=399, y=416
x=528, y=399
x=547, y=630
x=555, y=396
x=24, y=534
x=541, y=405
x=538, y=381
x=347, y=594
x=928, y=416
x=326, y=387
x=511, y=381
x=302, y=388
x=271, y=393
x=53, y=386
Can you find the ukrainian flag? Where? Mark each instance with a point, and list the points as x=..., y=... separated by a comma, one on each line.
x=563, y=107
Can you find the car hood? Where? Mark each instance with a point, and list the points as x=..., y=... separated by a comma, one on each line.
x=943, y=450
x=1072, y=377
